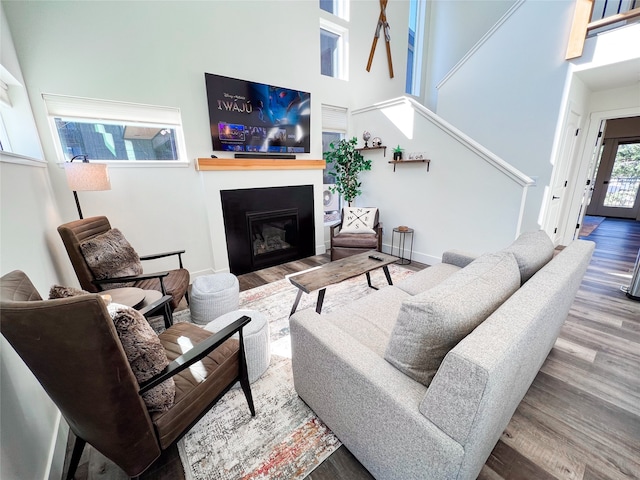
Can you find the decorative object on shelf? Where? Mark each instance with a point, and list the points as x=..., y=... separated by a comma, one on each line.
x=403, y=228
x=87, y=177
x=344, y=163
x=376, y=142
x=397, y=153
x=366, y=136
x=382, y=24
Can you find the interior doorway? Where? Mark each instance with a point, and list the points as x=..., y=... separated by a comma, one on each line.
x=616, y=189
x=615, y=182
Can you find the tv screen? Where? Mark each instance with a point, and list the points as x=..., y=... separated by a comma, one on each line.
x=253, y=117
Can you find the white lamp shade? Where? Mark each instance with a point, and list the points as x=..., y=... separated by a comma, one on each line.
x=83, y=176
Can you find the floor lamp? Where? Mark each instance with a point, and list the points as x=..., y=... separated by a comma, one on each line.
x=86, y=177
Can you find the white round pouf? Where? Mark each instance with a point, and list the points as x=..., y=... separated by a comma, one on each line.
x=212, y=296
x=257, y=347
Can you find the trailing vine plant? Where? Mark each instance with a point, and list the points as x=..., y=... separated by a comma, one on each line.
x=344, y=163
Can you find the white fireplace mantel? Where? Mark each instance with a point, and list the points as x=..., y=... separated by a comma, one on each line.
x=236, y=173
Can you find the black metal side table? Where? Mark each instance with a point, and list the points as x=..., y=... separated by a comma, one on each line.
x=402, y=237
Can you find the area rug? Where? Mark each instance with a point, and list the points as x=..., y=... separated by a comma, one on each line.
x=589, y=224
x=285, y=440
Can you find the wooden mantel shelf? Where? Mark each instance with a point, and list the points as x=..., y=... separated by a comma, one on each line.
x=204, y=164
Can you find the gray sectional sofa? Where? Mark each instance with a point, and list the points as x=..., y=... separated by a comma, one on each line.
x=420, y=379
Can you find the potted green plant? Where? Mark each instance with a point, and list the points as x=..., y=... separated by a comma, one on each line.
x=344, y=163
x=397, y=153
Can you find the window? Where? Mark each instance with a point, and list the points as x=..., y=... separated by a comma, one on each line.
x=339, y=8
x=415, y=43
x=333, y=50
x=334, y=129
x=115, y=131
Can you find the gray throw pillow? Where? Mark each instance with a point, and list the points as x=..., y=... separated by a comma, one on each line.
x=146, y=355
x=533, y=250
x=433, y=322
x=110, y=255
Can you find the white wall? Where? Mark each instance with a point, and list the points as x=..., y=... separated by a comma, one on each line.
x=157, y=53
x=453, y=28
x=154, y=53
x=468, y=200
x=30, y=423
x=508, y=94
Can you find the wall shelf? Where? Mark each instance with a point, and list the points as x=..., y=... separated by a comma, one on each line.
x=381, y=147
x=398, y=162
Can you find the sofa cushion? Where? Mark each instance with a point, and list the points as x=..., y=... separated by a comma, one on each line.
x=532, y=251
x=109, y=255
x=371, y=318
x=427, y=278
x=433, y=322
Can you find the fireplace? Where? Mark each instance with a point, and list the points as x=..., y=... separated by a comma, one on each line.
x=268, y=226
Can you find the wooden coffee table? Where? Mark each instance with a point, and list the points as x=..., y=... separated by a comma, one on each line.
x=335, y=272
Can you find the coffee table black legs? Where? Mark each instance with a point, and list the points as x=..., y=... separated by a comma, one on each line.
x=296, y=302
x=318, y=303
x=320, y=300
x=386, y=274
x=322, y=292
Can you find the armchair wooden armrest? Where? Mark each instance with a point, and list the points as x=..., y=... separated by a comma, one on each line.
x=135, y=278
x=153, y=307
x=333, y=228
x=165, y=254
x=199, y=351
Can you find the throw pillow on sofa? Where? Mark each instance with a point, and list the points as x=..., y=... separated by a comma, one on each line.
x=433, y=322
x=109, y=255
x=533, y=250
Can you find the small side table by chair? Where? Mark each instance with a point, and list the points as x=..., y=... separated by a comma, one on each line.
x=402, y=233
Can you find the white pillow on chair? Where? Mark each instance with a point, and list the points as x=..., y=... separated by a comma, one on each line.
x=358, y=220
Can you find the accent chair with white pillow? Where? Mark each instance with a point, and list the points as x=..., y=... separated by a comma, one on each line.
x=359, y=231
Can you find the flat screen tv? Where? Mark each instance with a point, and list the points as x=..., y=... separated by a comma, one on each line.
x=253, y=117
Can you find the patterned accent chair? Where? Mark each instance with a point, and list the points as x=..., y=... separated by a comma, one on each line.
x=346, y=242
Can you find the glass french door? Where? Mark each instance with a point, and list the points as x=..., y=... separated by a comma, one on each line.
x=617, y=186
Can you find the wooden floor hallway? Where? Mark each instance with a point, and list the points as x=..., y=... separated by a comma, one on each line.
x=581, y=417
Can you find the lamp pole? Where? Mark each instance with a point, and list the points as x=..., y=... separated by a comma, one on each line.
x=75, y=194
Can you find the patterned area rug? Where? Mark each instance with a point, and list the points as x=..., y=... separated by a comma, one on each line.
x=285, y=440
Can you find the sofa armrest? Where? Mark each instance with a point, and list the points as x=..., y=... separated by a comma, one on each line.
x=458, y=258
x=371, y=406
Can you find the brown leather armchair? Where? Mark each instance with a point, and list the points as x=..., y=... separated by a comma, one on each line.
x=73, y=234
x=344, y=244
x=74, y=351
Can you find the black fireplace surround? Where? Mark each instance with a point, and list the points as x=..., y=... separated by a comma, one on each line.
x=268, y=226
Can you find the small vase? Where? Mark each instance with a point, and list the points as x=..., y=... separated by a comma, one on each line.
x=397, y=156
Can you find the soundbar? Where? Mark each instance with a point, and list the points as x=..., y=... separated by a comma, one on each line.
x=272, y=156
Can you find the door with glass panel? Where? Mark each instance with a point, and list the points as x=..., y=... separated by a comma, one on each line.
x=617, y=186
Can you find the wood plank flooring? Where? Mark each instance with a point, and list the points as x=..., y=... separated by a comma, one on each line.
x=581, y=417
